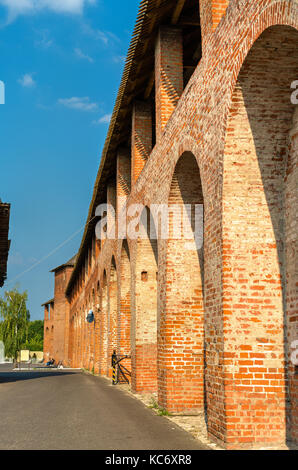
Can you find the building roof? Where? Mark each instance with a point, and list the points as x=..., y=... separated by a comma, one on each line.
x=137, y=83
x=69, y=263
x=48, y=303
x=4, y=242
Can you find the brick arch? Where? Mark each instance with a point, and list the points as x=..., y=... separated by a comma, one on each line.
x=89, y=334
x=258, y=208
x=75, y=343
x=281, y=12
x=144, y=308
x=112, y=313
x=79, y=339
x=92, y=329
x=52, y=341
x=278, y=14
x=97, y=326
x=189, y=144
x=70, y=347
x=85, y=334
x=103, y=326
x=124, y=314
x=181, y=330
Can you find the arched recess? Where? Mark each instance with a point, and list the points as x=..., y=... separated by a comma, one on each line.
x=103, y=345
x=70, y=347
x=52, y=342
x=82, y=335
x=144, y=327
x=259, y=207
x=92, y=333
x=85, y=336
x=82, y=328
x=75, y=346
x=97, y=338
x=112, y=317
x=77, y=336
x=181, y=330
x=80, y=338
x=124, y=314
x=74, y=343
x=46, y=344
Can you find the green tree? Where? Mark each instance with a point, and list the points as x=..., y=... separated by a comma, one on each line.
x=34, y=340
x=14, y=327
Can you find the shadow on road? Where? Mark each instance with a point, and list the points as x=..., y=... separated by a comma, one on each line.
x=6, y=377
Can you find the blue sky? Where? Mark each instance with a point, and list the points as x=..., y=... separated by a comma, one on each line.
x=61, y=62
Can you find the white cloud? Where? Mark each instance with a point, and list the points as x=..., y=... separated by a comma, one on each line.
x=27, y=81
x=119, y=59
x=44, y=40
x=103, y=120
x=81, y=104
x=79, y=53
x=20, y=7
x=105, y=37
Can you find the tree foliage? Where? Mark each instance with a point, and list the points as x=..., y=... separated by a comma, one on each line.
x=35, y=336
x=14, y=327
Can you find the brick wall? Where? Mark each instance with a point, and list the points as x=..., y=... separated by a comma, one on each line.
x=124, y=314
x=218, y=10
x=168, y=75
x=254, y=220
x=47, y=333
x=104, y=360
x=181, y=334
x=61, y=317
x=144, y=314
x=291, y=230
x=141, y=138
x=236, y=118
x=112, y=314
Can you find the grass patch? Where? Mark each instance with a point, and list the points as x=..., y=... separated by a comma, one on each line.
x=160, y=411
x=87, y=371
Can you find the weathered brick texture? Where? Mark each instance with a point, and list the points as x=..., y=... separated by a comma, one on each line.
x=61, y=314
x=211, y=329
x=123, y=178
x=48, y=332
x=144, y=310
x=254, y=224
x=218, y=10
x=168, y=75
x=181, y=339
x=141, y=138
x=291, y=275
x=112, y=314
x=124, y=312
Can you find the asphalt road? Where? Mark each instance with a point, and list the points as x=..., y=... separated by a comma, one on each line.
x=71, y=410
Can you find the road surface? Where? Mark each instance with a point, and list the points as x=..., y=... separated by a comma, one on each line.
x=70, y=410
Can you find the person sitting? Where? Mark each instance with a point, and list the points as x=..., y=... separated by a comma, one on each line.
x=51, y=362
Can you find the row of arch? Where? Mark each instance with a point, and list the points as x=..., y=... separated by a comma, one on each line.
x=210, y=326
x=128, y=306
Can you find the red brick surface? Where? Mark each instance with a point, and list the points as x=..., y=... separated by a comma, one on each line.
x=212, y=329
